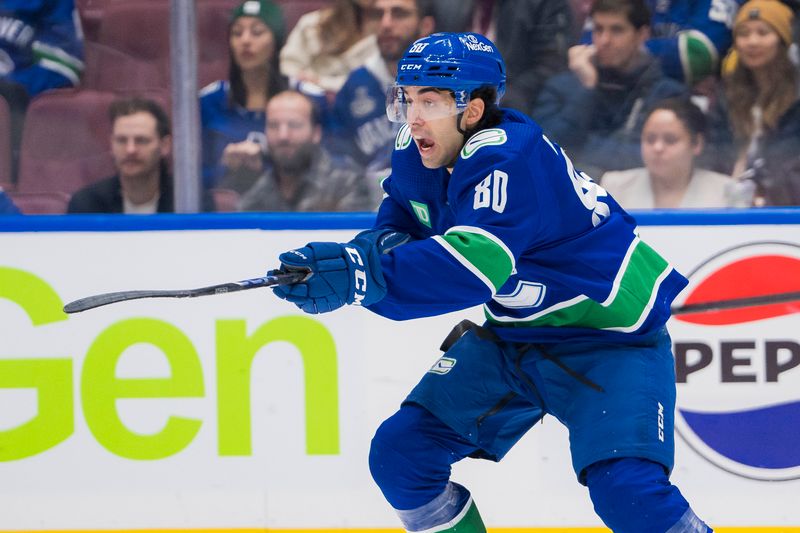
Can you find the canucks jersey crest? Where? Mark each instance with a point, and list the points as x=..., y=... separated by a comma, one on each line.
x=490, y=137
x=403, y=139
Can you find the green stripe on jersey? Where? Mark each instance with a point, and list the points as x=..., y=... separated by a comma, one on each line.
x=57, y=60
x=639, y=282
x=482, y=253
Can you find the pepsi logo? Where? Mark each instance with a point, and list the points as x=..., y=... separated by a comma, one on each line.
x=737, y=361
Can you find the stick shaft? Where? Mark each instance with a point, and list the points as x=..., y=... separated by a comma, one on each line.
x=90, y=302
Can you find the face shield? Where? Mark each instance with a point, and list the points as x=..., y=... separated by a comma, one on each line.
x=426, y=104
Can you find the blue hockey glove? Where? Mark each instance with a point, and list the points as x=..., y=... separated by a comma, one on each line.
x=340, y=274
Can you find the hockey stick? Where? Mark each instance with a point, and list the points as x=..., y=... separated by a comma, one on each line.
x=737, y=303
x=90, y=302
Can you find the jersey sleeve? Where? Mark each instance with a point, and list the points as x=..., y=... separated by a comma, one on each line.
x=57, y=50
x=494, y=204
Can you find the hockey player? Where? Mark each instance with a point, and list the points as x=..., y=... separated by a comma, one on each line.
x=482, y=208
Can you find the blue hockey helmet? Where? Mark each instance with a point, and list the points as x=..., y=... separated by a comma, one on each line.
x=460, y=62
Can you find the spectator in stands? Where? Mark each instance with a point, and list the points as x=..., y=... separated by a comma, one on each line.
x=532, y=35
x=327, y=44
x=7, y=206
x=298, y=173
x=596, y=109
x=673, y=137
x=361, y=128
x=232, y=110
x=757, y=118
x=41, y=48
x=140, y=146
x=688, y=36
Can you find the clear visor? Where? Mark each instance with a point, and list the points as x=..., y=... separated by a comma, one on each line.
x=404, y=104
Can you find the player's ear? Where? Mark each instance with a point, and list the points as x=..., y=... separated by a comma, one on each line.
x=474, y=112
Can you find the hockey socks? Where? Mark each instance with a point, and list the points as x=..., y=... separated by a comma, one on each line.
x=453, y=511
x=633, y=495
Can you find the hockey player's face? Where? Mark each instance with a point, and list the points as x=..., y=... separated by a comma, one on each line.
x=756, y=43
x=252, y=43
x=616, y=41
x=437, y=139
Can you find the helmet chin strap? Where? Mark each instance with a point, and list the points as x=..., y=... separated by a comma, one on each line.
x=463, y=140
x=458, y=125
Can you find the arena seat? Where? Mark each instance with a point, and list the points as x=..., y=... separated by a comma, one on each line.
x=138, y=28
x=108, y=69
x=140, y=31
x=6, y=180
x=225, y=200
x=91, y=15
x=65, y=141
x=41, y=203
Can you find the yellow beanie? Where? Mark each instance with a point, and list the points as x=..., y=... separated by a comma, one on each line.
x=773, y=12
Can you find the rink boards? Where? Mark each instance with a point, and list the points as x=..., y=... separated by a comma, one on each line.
x=236, y=413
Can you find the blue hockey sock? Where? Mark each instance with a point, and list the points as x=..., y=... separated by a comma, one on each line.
x=632, y=495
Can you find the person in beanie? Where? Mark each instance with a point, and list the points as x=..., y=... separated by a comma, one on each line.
x=232, y=110
x=757, y=118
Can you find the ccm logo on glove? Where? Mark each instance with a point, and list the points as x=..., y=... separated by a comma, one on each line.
x=360, y=275
x=298, y=253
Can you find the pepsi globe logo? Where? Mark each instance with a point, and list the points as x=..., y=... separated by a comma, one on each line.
x=738, y=366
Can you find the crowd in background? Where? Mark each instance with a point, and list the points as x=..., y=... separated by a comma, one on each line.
x=667, y=103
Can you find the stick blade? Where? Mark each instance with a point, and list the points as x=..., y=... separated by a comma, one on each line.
x=90, y=302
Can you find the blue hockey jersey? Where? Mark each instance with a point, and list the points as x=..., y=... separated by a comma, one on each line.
x=41, y=44
x=518, y=229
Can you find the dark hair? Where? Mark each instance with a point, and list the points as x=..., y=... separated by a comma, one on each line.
x=687, y=112
x=316, y=112
x=275, y=81
x=425, y=8
x=492, y=114
x=136, y=104
x=636, y=11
